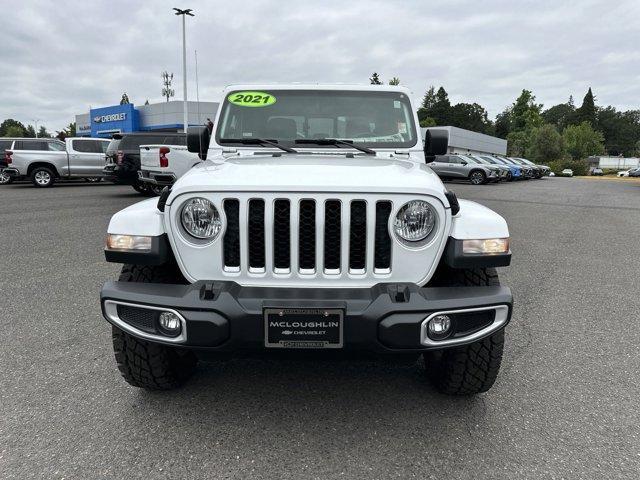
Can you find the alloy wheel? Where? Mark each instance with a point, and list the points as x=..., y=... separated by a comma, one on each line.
x=43, y=178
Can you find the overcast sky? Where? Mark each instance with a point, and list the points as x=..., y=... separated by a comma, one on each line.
x=59, y=58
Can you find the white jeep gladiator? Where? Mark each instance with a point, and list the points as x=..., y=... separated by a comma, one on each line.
x=315, y=222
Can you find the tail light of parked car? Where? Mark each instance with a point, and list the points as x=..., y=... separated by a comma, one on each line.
x=7, y=156
x=119, y=157
x=164, y=161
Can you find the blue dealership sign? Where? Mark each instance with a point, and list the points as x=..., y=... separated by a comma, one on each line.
x=116, y=119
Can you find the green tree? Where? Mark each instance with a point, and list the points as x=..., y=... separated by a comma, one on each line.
x=30, y=131
x=427, y=122
x=441, y=111
x=587, y=111
x=8, y=123
x=525, y=112
x=503, y=123
x=582, y=141
x=428, y=101
x=394, y=81
x=13, y=131
x=621, y=130
x=375, y=79
x=43, y=133
x=470, y=116
x=518, y=143
x=561, y=115
x=546, y=144
x=436, y=105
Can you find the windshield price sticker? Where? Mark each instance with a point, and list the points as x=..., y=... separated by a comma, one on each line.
x=251, y=99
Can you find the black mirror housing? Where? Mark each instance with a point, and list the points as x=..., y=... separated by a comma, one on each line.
x=436, y=142
x=198, y=139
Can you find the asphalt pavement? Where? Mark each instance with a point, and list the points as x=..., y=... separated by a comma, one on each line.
x=566, y=403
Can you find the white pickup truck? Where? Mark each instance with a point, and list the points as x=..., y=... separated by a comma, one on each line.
x=44, y=160
x=162, y=165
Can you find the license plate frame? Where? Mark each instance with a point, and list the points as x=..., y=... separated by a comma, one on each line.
x=304, y=324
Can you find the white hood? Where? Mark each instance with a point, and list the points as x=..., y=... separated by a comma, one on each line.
x=310, y=173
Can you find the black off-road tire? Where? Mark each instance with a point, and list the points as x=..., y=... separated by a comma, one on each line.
x=473, y=368
x=146, y=364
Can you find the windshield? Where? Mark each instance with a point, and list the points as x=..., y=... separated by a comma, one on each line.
x=368, y=118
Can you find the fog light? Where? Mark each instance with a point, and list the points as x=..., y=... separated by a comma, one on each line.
x=439, y=327
x=170, y=323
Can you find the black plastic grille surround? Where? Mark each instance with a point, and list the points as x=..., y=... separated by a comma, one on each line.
x=307, y=235
x=358, y=235
x=382, y=252
x=332, y=233
x=231, y=241
x=256, y=234
x=282, y=234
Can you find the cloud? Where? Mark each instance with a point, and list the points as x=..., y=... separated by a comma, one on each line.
x=57, y=61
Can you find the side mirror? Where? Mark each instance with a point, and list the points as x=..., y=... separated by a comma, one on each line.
x=463, y=162
x=198, y=139
x=435, y=143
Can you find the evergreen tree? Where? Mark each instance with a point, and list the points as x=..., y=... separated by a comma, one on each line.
x=30, y=131
x=587, y=111
x=375, y=79
x=394, y=81
x=525, y=112
x=441, y=110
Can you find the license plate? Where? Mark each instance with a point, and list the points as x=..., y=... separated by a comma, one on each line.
x=303, y=328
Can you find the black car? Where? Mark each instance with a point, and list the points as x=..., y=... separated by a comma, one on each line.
x=123, y=156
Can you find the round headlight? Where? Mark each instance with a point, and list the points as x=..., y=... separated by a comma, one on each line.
x=201, y=219
x=415, y=221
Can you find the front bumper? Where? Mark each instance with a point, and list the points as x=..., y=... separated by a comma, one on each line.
x=224, y=316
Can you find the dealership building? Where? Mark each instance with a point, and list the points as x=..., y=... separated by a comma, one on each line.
x=465, y=141
x=156, y=117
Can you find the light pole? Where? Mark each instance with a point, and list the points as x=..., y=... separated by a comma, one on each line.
x=184, y=14
x=35, y=121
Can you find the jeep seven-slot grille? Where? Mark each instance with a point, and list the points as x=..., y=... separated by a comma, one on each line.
x=331, y=236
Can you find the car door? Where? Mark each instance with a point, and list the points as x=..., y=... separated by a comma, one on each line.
x=457, y=167
x=440, y=165
x=85, y=157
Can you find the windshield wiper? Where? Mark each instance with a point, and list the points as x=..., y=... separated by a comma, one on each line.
x=336, y=142
x=258, y=141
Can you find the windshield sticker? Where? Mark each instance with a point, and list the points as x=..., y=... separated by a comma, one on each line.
x=396, y=104
x=402, y=127
x=251, y=99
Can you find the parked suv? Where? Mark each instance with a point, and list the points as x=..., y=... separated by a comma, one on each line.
x=45, y=160
x=454, y=167
x=123, y=156
x=515, y=171
x=314, y=223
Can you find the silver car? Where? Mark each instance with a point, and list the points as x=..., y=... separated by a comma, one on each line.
x=459, y=167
